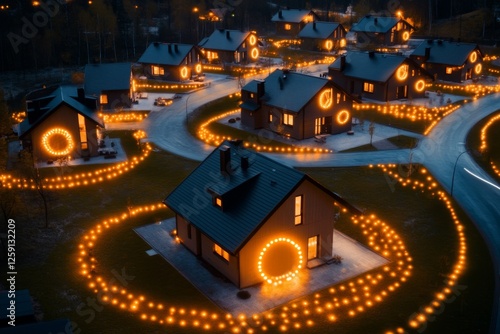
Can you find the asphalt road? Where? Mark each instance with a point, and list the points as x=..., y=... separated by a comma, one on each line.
x=441, y=151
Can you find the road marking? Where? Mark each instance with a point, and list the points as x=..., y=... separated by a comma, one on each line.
x=480, y=178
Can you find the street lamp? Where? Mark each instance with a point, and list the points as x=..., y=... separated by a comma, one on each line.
x=454, y=169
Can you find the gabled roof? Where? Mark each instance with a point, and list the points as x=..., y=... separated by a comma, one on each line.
x=444, y=52
x=370, y=66
x=249, y=197
x=292, y=15
x=289, y=90
x=49, y=100
x=377, y=24
x=319, y=29
x=224, y=40
x=165, y=53
x=106, y=77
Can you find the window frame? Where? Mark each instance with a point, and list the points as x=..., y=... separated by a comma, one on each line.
x=298, y=214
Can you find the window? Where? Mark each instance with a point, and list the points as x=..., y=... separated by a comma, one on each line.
x=218, y=202
x=368, y=87
x=338, y=98
x=83, y=132
x=288, y=26
x=103, y=99
x=288, y=119
x=298, y=210
x=222, y=253
x=449, y=70
x=157, y=70
x=252, y=95
x=312, y=247
x=189, y=226
x=270, y=117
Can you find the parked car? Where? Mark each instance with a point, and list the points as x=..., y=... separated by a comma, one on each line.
x=107, y=151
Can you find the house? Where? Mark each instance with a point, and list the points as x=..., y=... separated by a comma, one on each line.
x=289, y=22
x=171, y=61
x=322, y=36
x=379, y=76
x=252, y=218
x=450, y=61
x=296, y=105
x=230, y=46
x=61, y=121
x=111, y=84
x=382, y=30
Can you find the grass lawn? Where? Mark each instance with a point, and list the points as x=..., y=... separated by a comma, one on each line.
x=422, y=222
x=492, y=141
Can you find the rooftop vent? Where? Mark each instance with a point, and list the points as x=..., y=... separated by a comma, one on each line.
x=280, y=14
x=225, y=160
x=176, y=48
x=228, y=36
x=371, y=54
x=244, y=163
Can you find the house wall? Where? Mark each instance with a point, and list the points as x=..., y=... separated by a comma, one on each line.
x=66, y=118
x=192, y=243
x=318, y=212
x=294, y=31
x=227, y=268
x=116, y=99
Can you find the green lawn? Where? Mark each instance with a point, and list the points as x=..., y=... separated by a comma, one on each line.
x=421, y=220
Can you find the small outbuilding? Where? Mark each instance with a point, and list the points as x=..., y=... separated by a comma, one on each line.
x=111, y=84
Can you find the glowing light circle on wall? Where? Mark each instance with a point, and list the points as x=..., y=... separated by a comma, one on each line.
x=326, y=98
x=420, y=85
x=252, y=40
x=406, y=35
x=473, y=57
x=402, y=72
x=254, y=53
x=52, y=135
x=343, y=117
x=329, y=44
x=478, y=68
x=197, y=68
x=276, y=280
x=184, y=72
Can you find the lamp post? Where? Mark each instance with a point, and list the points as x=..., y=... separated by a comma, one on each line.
x=454, y=169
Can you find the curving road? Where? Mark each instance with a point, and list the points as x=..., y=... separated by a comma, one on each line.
x=443, y=152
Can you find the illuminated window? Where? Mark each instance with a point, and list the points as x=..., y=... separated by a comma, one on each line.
x=368, y=87
x=298, y=210
x=338, y=98
x=270, y=117
x=83, y=132
x=222, y=253
x=288, y=26
x=449, y=70
x=218, y=202
x=312, y=247
x=412, y=73
x=157, y=70
x=288, y=119
x=103, y=99
x=252, y=95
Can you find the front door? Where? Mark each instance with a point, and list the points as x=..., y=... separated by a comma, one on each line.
x=312, y=247
x=319, y=125
x=402, y=92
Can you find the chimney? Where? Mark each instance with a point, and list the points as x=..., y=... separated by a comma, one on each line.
x=225, y=160
x=371, y=54
x=440, y=42
x=170, y=48
x=176, y=48
x=228, y=34
x=280, y=14
x=244, y=163
x=427, y=53
x=314, y=25
x=342, y=62
x=81, y=94
x=375, y=20
x=280, y=80
x=261, y=90
x=156, y=44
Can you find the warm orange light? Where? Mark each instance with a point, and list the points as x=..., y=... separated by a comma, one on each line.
x=343, y=43
x=252, y=40
x=478, y=68
x=420, y=85
x=198, y=68
x=326, y=98
x=184, y=72
x=406, y=35
x=254, y=53
x=473, y=57
x=57, y=151
x=329, y=44
x=402, y=72
x=287, y=276
x=343, y=117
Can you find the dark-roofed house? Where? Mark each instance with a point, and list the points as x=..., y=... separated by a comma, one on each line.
x=450, y=61
x=171, y=61
x=379, y=76
x=322, y=36
x=61, y=122
x=254, y=219
x=296, y=105
x=382, y=30
x=289, y=22
x=230, y=46
x=110, y=83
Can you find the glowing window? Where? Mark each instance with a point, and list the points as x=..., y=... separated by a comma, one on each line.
x=368, y=87
x=449, y=70
x=298, y=210
x=103, y=99
x=222, y=253
x=288, y=26
x=218, y=202
x=157, y=70
x=83, y=132
x=288, y=119
x=312, y=247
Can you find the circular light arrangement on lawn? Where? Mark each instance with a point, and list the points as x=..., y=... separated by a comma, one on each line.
x=343, y=117
x=254, y=53
x=279, y=279
x=420, y=85
x=478, y=68
x=58, y=142
x=326, y=98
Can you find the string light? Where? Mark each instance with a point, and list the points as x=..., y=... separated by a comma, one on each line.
x=52, y=138
x=284, y=277
x=484, y=141
x=343, y=117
